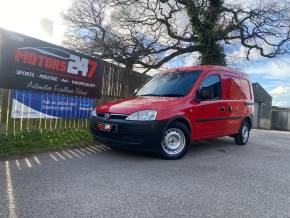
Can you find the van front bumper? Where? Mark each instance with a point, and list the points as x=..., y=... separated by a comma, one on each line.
x=131, y=135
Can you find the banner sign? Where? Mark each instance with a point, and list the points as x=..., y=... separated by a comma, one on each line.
x=28, y=63
x=28, y=104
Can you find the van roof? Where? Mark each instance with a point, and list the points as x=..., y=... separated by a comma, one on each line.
x=205, y=68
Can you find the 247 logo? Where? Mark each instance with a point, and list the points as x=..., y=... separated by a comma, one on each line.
x=56, y=60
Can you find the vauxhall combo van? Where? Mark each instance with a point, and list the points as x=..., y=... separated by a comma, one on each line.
x=176, y=107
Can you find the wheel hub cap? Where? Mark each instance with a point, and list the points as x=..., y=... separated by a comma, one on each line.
x=245, y=133
x=173, y=141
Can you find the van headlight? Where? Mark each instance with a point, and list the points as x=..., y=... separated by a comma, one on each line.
x=143, y=115
x=94, y=113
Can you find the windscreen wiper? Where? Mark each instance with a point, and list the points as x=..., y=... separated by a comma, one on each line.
x=173, y=95
x=150, y=95
x=165, y=95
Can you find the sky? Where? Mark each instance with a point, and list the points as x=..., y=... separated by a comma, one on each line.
x=42, y=19
x=37, y=18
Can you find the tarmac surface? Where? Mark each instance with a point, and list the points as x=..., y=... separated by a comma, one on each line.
x=215, y=179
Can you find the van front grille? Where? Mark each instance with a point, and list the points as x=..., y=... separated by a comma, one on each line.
x=113, y=116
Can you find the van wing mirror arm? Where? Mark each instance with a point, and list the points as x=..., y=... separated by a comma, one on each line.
x=197, y=98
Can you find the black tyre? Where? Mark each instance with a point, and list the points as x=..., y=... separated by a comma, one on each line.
x=243, y=136
x=175, y=142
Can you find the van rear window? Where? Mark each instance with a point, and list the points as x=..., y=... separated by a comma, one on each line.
x=246, y=93
x=172, y=84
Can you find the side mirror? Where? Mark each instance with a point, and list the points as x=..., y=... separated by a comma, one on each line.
x=135, y=91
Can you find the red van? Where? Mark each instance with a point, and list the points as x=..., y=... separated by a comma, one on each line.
x=177, y=107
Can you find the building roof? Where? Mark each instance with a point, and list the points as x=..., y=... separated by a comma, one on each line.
x=260, y=94
x=278, y=108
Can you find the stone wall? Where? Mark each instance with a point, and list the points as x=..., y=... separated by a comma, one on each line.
x=280, y=119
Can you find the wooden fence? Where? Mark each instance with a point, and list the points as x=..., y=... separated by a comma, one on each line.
x=118, y=82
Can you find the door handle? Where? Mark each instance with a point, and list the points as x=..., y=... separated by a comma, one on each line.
x=222, y=108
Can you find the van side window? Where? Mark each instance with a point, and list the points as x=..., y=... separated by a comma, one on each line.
x=210, y=88
x=232, y=88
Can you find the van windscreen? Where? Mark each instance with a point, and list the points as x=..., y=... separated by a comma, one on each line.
x=172, y=84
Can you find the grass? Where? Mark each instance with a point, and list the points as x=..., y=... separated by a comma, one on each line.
x=28, y=142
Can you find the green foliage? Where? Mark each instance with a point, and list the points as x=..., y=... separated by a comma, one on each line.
x=210, y=49
x=212, y=53
x=41, y=140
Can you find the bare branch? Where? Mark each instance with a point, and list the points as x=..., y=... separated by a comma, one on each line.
x=149, y=33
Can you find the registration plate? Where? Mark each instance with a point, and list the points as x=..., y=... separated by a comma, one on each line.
x=106, y=127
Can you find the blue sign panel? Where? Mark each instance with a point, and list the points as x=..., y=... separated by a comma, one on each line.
x=28, y=104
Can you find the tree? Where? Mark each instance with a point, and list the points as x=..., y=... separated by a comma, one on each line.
x=149, y=33
x=91, y=32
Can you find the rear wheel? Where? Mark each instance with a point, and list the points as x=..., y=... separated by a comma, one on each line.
x=175, y=142
x=243, y=136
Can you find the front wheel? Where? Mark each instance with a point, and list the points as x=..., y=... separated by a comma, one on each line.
x=175, y=142
x=243, y=136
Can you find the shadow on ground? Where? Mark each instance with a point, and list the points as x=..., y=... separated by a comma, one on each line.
x=219, y=145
